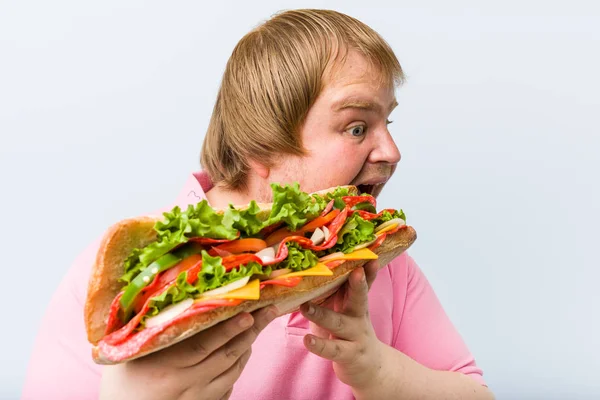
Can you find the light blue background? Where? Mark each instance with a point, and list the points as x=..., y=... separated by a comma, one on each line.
x=103, y=106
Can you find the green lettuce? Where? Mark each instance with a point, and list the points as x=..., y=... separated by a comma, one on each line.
x=355, y=231
x=246, y=221
x=337, y=195
x=292, y=206
x=298, y=259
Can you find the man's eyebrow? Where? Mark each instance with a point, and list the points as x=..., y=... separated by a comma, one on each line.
x=361, y=104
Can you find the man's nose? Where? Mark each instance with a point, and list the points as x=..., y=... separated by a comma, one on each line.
x=385, y=149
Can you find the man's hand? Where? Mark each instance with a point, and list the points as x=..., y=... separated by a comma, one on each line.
x=346, y=335
x=204, y=366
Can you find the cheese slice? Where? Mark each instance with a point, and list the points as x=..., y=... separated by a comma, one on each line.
x=362, y=254
x=386, y=229
x=249, y=292
x=318, y=270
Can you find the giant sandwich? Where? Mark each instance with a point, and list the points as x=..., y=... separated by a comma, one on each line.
x=157, y=281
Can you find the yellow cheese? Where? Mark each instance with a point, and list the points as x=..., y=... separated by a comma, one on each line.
x=362, y=254
x=249, y=292
x=317, y=270
x=386, y=229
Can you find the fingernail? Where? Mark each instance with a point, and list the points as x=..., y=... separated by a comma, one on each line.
x=311, y=310
x=312, y=341
x=245, y=321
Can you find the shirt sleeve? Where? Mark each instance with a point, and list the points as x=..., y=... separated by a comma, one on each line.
x=61, y=364
x=424, y=331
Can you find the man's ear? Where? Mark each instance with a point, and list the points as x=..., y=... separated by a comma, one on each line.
x=260, y=169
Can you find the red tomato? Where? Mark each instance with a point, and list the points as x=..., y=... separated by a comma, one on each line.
x=240, y=246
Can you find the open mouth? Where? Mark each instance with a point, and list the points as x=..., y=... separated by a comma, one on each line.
x=369, y=189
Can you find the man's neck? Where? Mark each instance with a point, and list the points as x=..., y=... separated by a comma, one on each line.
x=220, y=197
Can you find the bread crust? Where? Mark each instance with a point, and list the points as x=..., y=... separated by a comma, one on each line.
x=132, y=233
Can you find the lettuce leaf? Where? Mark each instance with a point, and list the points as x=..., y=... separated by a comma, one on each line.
x=197, y=221
x=355, y=231
x=246, y=221
x=298, y=259
x=292, y=206
x=337, y=195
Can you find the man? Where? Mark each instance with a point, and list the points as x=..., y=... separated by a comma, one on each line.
x=305, y=97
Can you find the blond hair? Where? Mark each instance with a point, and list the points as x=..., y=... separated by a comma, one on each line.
x=271, y=80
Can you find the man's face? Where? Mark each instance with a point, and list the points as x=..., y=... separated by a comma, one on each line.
x=346, y=134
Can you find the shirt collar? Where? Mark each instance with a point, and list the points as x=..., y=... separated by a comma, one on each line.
x=194, y=190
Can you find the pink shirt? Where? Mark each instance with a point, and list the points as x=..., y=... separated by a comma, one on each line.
x=404, y=309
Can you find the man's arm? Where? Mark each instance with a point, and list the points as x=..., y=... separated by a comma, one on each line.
x=403, y=377
x=438, y=363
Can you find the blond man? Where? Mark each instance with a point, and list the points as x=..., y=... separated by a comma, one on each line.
x=305, y=98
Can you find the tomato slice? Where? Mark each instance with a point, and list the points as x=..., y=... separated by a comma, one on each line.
x=187, y=263
x=287, y=282
x=240, y=246
x=234, y=261
x=318, y=222
x=266, y=231
x=203, y=240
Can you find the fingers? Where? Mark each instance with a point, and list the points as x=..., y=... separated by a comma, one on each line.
x=340, y=351
x=339, y=325
x=233, y=357
x=223, y=358
x=198, y=347
x=357, y=296
x=371, y=269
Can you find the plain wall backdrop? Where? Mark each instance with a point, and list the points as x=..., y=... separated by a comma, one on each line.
x=104, y=105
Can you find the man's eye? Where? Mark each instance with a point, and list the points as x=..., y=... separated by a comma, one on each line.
x=387, y=122
x=357, y=131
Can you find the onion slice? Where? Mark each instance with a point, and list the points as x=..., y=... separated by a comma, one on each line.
x=227, y=288
x=398, y=221
x=332, y=255
x=266, y=255
x=363, y=245
x=169, y=312
x=318, y=237
x=279, y=272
